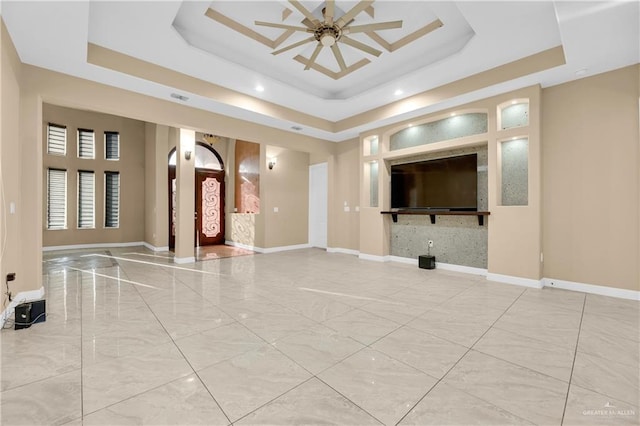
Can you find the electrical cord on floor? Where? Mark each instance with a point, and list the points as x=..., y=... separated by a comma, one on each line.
x=8, y=292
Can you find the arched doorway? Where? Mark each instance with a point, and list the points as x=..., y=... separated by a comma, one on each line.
x=209, y=196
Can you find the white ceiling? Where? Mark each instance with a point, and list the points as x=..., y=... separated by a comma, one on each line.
x=476, y=36
x=210, y=36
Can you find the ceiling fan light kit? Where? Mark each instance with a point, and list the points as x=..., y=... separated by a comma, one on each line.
x=329, y=32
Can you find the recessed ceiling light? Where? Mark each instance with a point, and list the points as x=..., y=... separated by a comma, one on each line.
x=514, y=102
x=453, y=114
x=259, y=88
x=583, y=71
x=398, y=92
x=410, y=125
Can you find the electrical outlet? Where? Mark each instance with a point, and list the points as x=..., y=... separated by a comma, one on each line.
x=430, y=243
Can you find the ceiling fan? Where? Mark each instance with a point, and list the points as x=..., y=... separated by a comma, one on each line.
x=330, y=30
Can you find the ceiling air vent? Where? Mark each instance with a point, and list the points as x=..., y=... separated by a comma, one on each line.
x=179, y=97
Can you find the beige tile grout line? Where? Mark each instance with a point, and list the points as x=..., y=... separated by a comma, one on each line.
x=460, y=359
x=182, y=354
x=575, y=354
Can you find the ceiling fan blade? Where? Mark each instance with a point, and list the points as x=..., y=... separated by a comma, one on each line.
x=372, y=27
x=304, y=11
x=338, y=55
x=314, y=56
x=354, y=43
x=294, y=45
x=283, y=26
x=329, y=11
x=347, y=17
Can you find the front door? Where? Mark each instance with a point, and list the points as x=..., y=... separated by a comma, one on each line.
x=209, y=204
x=209, y=207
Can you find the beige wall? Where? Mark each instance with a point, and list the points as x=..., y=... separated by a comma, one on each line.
x=11, y=165
x=156, y=185
x=60, y=89
x=285, y=187
x=185, y=200
x=515, y=232
x=132, y=176
x=590, y=180
x=344, y=186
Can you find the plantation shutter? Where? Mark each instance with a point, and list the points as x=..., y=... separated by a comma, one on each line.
x=112, y=199
x=86, y=197
x=86, y=143
x=112, y=145
x=56, y=139
x=56, y=199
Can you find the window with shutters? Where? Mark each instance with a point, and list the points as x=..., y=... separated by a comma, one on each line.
x=86, y=143
x=56, y=199
x=112, y=199
x=56, y=139
x=112, y=145
x=86, y=200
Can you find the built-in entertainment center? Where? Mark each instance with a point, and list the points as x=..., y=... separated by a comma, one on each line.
x=448, y=187
x=426, y=167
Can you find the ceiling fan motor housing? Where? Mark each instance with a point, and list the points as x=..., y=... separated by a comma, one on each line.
x=327, y=35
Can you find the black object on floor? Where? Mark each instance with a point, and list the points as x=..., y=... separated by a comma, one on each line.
x=427, y=262
x=30, y=313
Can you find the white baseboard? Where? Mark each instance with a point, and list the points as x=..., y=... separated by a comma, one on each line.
x=93, y=246
x=592, y=289
x=22, y=297
x=154, y=248
x=439, y=265
x=286, y=248
x=181, y=260
x=400, y=259
x=342, y=250
x=510, y=279
x=270, y=249
x=244, y=246
x=372, y=257
x=460, y=268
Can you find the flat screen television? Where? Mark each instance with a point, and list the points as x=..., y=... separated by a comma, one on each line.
x=442, y=184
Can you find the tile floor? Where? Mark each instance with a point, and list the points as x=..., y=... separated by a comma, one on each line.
x=306, y=337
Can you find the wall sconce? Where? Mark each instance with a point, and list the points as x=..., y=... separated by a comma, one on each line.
x=187, y=155
x=272, y=162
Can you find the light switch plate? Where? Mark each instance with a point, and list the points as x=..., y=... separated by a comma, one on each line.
x=275, y=210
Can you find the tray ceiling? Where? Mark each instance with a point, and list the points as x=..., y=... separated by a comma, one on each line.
x=164, y=48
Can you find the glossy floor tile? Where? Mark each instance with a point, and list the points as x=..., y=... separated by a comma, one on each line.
x=309, y=337
x=446, y=405
x=381, y=385
x=518, y=390
x=184, y=401
x=246, y=382
x=311, y=403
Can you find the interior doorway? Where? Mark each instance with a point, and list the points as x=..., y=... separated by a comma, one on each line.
x=318, y=194
x=209, y=197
